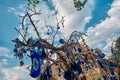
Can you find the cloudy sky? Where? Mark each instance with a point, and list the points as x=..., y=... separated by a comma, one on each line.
x=99, y=19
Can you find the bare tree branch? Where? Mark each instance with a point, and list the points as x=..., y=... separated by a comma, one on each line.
x=23, y=19
x=21, y=35
x=34, y=26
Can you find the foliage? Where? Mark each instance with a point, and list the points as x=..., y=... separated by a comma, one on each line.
x=117, y=45
x=77, y=3
x=34, y=2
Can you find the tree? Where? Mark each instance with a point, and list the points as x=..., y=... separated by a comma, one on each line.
x=72, y=58
x=117, y=46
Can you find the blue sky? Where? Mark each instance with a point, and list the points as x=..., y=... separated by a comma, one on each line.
x=96, y=19
x=100, y=12
x=8, y=21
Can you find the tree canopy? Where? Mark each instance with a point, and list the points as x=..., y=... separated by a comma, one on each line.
x=117, y=45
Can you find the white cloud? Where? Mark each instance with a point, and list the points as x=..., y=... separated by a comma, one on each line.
x=11, y=73
x=10, y=9
x=4, y=56
x=100, y=35
x=15, y=11
x=4, y=52
x=4, y=61
x=15, y=73
x=74, y=20
x=22, y=6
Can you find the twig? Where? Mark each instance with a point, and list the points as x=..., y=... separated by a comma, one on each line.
x=23, y=19
x=34, y=26
x=21, y=35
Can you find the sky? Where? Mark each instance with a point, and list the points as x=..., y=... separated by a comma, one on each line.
x=98, y=19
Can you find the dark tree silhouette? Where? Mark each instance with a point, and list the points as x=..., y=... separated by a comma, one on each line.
x=117, y=46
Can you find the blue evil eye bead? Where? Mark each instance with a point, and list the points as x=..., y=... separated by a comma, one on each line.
x=49, y=71
x=30, y=40
x=48, y=33
x=101, y=55
x=36, y=65
x=20, y=55
x=67, y=53
x=82, y=62
x=113, y=64
x=39, y=50
x=76, y=68
x=58, y=27
x=43, y=54
x=100, y=63
x=56, y=65
x=113, y=78
x=17, y=45
x=67, y=75
x=25, y=51
x=15, y=50
x=78, y=61
x=17, y=39
x=111, y=71
x=62, y=41
x=79, y=50
x=79, y=69
x=21, y=63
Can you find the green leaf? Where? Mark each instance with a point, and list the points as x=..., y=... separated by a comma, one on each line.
x=79, y=5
